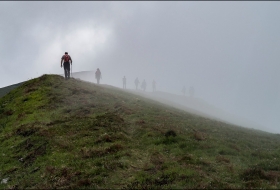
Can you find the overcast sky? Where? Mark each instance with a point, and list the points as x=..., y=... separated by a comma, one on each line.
x=229, y=51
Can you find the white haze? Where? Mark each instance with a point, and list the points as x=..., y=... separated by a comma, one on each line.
x=227, y=50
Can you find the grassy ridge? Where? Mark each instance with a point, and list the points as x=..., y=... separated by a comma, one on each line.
x=72, y=134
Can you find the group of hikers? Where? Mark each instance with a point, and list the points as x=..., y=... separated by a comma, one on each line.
x=143, y=85
x=67, y=60
x=191, y=91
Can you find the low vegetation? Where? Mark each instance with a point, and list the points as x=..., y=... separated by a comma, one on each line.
x=57, y=133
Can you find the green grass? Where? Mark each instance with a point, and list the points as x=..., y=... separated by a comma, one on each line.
x=72, y=134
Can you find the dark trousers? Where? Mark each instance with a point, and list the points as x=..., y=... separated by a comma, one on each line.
x=66, y=66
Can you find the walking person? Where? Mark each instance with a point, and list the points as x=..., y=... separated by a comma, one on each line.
x=136, y=82
x=98, y=75
x=124, y=82
x=66, y=60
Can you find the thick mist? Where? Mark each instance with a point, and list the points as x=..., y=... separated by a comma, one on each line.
x=228, y=51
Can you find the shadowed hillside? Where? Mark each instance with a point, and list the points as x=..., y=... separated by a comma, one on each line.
x=57, y=133
x=7, y=89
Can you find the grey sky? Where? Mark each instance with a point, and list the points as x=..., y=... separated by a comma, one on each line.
x=227, y=50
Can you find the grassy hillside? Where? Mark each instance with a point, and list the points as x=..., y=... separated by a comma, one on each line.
x=7, y=89
x=57, y=133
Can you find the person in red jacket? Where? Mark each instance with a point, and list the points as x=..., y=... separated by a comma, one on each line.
x=66, y=60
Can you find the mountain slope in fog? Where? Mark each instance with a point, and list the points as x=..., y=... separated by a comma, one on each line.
x=57, y=133
x=193, y=105
x=85, y=75
x=197, y=106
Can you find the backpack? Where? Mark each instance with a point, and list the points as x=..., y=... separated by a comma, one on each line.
x=66, y=58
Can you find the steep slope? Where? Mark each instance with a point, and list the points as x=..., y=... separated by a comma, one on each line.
x=57, y=133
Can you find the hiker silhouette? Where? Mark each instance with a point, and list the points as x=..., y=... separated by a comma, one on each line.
x=98, y=75
x=136, y=82
x=124, y=82
x=66, y=60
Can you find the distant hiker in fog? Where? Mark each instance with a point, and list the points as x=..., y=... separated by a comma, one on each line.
x=184, y=90
x=191, y=91
x=136, y=82
x=143, y=85
x=66, y=59
x=98, y=75
x=124, y=82
x=154, y=85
